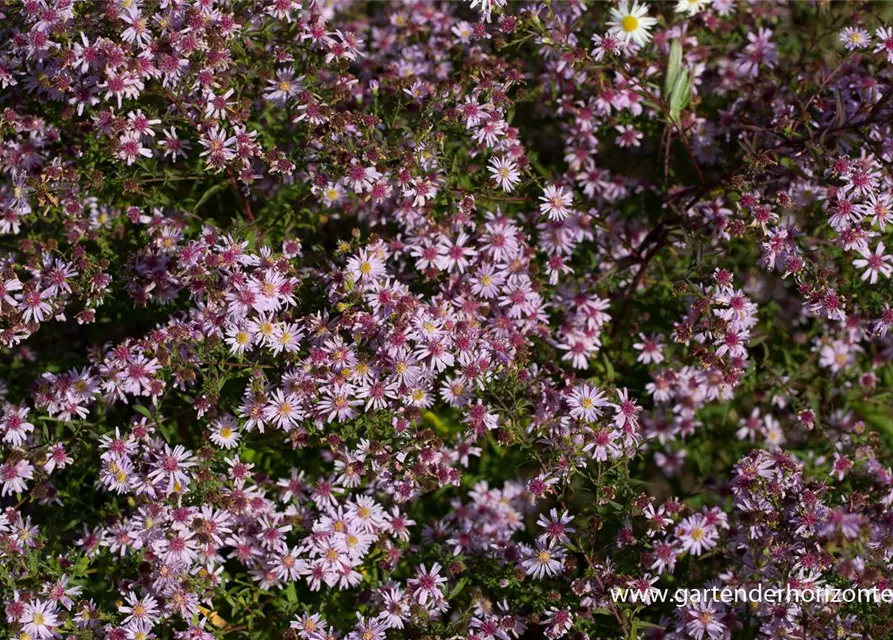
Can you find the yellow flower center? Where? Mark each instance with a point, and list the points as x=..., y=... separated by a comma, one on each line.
x=629, y=24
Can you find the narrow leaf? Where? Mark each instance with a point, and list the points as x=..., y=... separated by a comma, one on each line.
x=140, y=409
x=207, y=195
x=673, y=66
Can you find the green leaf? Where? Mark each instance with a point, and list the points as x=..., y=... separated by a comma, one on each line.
x=644, y=624
x=207, y=195
x=458, y=588
x=673, y=66
x=758, y=340
x=609, y=368
x=680, y=94
x=140, y=409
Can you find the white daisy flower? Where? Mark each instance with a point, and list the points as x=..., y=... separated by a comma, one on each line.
x=855, y=38
x=691, y=7
x=631, y=23
x=225, y=433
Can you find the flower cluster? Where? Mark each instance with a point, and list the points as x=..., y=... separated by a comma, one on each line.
x=325, y=320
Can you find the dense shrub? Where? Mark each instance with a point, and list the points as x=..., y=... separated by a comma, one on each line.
x=407, y=319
